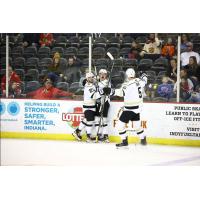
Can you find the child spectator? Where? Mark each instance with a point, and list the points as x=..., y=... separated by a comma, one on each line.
x=152, y=45
x=195, y=96
x=14, y=82
x=46, y=39
x=168, y=49
x=48, y=91
x=165, y=89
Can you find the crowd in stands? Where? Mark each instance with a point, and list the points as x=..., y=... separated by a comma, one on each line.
x=50, y=65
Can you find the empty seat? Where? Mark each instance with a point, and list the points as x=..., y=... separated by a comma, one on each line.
x=30, y=51
x=162, y=73
x=113, y=42
x=3, y=51
x=161, y=62
x=84, y=42
x=98, y=52
x=70, y=51
x=60, y=41
x=114, y=51
x=124, y=52
x=32, y=86
x=32, y=75
x=17, y=51
x=45, y=62
x=75, y=86
x=130, y=62
x=63, y=86
x=100, y=42
x=74, y=41
x=83, y=52
x=3, y=61
x=141, y=39
x=101, y=62
x=44, y=52
x=32, y=62
x=145, y=64
x=127, y=41
x=151, y=74
x=19, y=62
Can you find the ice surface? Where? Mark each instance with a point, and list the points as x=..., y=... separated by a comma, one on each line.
x=68, y=153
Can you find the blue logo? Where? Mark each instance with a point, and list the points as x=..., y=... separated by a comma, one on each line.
x=13, y=108
x=2, y=108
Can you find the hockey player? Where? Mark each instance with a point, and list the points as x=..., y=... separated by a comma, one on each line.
x=103, y=104
x=89, y=107
x=133, y=99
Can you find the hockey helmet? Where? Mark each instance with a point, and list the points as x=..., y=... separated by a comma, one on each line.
x=130, y=73
x=89, y=75
x=103, y=71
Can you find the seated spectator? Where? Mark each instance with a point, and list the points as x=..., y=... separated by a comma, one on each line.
x=184, y=40
x=195, y=95
x=55, y=68
x=165, y=89
x=135, y=51
x=168, y=49
x=193, y=69
x=152, y=45
x=14, y=83
x=172, y=70
x=186, y=88
x=186, y=55
x=46, y=39
x=72, y=71
x=48, y=91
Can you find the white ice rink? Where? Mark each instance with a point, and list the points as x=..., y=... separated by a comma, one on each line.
x=47, y=152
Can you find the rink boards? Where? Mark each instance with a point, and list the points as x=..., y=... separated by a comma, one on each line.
x=164, y=123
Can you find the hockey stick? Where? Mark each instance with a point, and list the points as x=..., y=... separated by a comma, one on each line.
x=104, y=96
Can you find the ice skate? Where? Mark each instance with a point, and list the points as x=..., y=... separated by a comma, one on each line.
x=77, y=135
x=105, y=139
x=143, y=141
x=123, y=144
x=90, y=139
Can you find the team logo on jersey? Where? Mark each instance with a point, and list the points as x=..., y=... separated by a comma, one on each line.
x=74, y=117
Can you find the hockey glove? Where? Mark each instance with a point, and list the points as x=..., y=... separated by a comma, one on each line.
x=106, y=90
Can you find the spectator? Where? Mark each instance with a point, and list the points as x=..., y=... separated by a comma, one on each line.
x=184, y=41
x=168, y=49
x=186, y=88
x=72, y=72
x=55, y=68
x=186, y=55
x=165, y=89
x=135, y=51
x=14, y=83
x=48, y=91
x=46, y=39
x=152, y=45
x=31, y=39
x=172, y=70
x=193, y=69
x=195, y=96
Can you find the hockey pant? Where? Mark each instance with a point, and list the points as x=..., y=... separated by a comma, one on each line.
x=127, y=116
x=88, y=121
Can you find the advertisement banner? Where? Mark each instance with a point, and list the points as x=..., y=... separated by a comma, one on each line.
x=179, y=121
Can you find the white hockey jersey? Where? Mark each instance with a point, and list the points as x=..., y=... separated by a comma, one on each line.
x=90, y=95
x=132, y=92
x=103, y=84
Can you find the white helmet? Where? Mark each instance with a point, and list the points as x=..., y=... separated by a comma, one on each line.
x=103, y=71
x=130, y=73
x=89, y=75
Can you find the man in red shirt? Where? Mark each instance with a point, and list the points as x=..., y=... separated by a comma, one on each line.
x=48, y=91
x=14, y=81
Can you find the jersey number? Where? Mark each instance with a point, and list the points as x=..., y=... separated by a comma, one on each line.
x=139, y=91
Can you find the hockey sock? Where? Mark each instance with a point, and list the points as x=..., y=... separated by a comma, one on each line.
x=123, y=135
x=141, y=134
